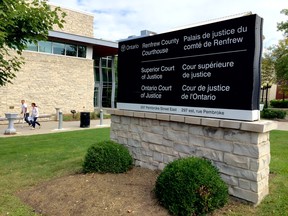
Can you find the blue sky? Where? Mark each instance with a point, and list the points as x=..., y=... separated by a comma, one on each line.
x=114, y=20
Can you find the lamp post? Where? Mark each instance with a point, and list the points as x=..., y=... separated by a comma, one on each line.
x=266, y=98
x=262, y=95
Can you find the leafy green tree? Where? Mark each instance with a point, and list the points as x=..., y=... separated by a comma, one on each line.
x=268, y=76
x=268, y=69
x=280, y=55
x=22, y=22
x=283, y=26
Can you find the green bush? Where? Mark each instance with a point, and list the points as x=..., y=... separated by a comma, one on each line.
x=93, y=115
x=70, y=117
x=273, y=114
x=191, y=186
x=279, y=103
x=107, y=156
x=76, y=117
x=105, y=115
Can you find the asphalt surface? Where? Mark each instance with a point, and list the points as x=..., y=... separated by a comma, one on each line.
x=22, y=129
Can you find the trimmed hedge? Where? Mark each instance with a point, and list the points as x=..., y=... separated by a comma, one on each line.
x=107, y=157
x=273, y=114
x=279, y=103
x=191, y=186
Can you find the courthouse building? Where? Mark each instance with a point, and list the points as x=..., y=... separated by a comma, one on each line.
x=72, y=70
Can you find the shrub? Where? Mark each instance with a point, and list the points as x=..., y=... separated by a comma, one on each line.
x=93, y=115
x=107, y=156
x=76, y=117
x=273, y=114
x=279, y=103
x=70, y=117
x=105, y=115
x=191, y=186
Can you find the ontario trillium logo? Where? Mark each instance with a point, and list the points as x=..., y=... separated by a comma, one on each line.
x=123, y=48
x=129, y=47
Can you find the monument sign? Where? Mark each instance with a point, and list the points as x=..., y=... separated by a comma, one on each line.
x=211, y=70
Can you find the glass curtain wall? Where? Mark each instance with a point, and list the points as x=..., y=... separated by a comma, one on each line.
x=104, y=87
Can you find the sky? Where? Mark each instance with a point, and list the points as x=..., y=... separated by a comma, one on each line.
x=118, y=19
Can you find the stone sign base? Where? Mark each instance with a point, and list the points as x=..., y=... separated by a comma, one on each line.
x=240, y=150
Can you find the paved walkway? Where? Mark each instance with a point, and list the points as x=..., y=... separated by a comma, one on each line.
x=51, y=127
x=282, y=125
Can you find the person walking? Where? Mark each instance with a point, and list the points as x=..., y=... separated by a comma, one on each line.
x=24, y=112
x=34, y=116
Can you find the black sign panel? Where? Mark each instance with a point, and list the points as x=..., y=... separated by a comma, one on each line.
x=211, y=70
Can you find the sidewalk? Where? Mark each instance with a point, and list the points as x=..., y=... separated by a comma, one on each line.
x=51, y=127
x=282, y=125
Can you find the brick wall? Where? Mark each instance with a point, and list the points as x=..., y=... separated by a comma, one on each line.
x=240, y=150
x=79, y=23
x=51, y=81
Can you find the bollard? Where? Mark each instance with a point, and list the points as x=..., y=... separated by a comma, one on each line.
x=57, y=113
x=101, y=117
x=60, y=120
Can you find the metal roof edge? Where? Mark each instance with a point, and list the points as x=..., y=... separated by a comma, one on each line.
x=83, y=39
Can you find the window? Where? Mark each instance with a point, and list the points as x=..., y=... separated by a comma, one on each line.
x=71, y=50
x=106, y=96
x=45, y=46
x=96, y=92
x=110, y=63
x=82, y=51
x=32, y=47
x=58, y=48
x=96, y=61
x=109, y=75
x=105, y=83
x=105, y=75
x=104, y=62
x=97, y=75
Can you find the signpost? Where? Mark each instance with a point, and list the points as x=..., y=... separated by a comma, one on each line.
x=210, y=71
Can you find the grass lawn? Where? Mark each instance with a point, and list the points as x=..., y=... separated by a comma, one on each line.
x=277, y=202
x=28, y=160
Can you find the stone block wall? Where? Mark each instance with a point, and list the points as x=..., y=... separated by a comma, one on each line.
x=78, y=23
x=51, y=81
x=240, y=150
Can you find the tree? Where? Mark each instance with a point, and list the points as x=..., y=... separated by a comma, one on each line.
x=268, y=69
x=281, y=66
x=23, y=22
x=280, y=54
x=281, y=63
x=283, y=26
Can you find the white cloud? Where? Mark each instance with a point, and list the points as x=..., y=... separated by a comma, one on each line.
x=119, y=19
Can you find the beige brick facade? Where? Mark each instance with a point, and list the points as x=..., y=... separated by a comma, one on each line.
x=51, y=81
x=77, y=23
